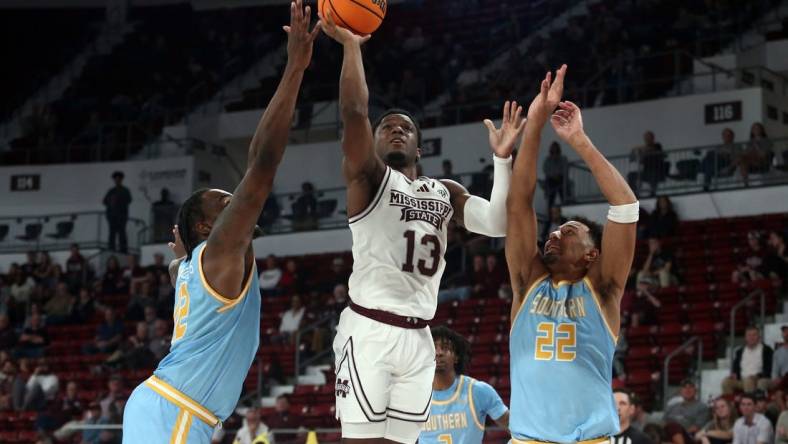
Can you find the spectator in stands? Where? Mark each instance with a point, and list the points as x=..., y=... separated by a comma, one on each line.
x=117, y=201
x=85, y=307
x=719, y=430
x=664, y=221
x=416, y=41
x=292, y=280
x=448, y=171
x=751, y=427
x=134, y=353
x=7, y=334
x=282, y=418
x=35, y=309
x=645, y=305
x=12, y=387
x=626, y=410
x=76, y=269
x=554, y=167
x=619, y=356
x=305, y=208
x=780, y=363
x=338, y=300
x=158, y=267
x=30, y=264
x=253, y=431
x=412, y=89
x=777, y=259
x=719, y=161
x=149, y=317
x=687, y=416
x=781, y=427
x=21, y=290
x=291, y=318
x=650, y=161
x=658, y=265
x=752, y=365
x=160, y=340
x=109, y=334
x=60, y=308
x=271, y=212
x=135, y=273
x=270, y=276
x=33, y=339
x=42, y=386
x=752, y=269
x=138, y=302
x=46, y=272
x=114, y=392
x=556, y=220
x=164, y=213
x=757, y=155
x=114, y=281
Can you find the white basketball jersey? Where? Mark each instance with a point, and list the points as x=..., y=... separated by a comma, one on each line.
x=398, y=246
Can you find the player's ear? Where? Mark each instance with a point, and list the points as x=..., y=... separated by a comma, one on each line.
x=592, y=255
x=204, y=228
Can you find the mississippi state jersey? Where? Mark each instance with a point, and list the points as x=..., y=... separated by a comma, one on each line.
x=398, y=246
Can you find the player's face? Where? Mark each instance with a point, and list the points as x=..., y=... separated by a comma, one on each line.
x=397, y=141
x=445, y=358
x=570, y=244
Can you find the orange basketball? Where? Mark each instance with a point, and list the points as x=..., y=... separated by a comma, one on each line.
x=359, y=16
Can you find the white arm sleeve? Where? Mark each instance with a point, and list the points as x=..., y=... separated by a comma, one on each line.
x=489, y=217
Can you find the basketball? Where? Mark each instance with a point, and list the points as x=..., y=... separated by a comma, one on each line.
x=359, y=16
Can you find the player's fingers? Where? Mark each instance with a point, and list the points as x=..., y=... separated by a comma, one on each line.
x=558, y=119
x=563, y=113
x=490, y=125
x=571, y=106
x=518, y=111
x=365, y=38
x=313, y=35
x=286, y=28
x=505, y=114
x=307, y=16
x=293, y=17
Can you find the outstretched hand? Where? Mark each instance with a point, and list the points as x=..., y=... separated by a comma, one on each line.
x=338, y=33
x=502, y=139
x=549, y=95
x=567, y=122
x=299, y=37
x=177, y=244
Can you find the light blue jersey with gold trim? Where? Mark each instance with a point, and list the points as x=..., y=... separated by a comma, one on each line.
x=214, y=339
x=561, y=353
x=457, y=414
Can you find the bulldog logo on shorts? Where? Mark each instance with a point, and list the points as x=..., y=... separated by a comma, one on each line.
x=342, y=387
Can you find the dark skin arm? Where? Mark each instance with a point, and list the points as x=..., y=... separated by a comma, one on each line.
x=609, y=272
x=503, y=421
x=228, y=256
x=361, y=166
x=525, y=264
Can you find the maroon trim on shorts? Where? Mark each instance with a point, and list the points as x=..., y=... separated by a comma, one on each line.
x=386, y=317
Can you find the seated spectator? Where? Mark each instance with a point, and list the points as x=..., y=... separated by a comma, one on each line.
x=42, y=386
x=554, y=223
x=270, y=276
x=752, y=269
x=757, y=156
x=645, y=304
x=109, y=334
x=751, y=427
x=292, y=280
x=448, y=171
x=114, y=281
x=141, y=298
x=282, y=418
x=7, y=333
x=658, y=265
x=253, y=431
x=781, y=428
x=135, y=273
x=35, y=308
x=31, y=263
x=776, y=260
x=33, y=339
x=114, y=393
x=85, y=307
x=70, y=405
x=76, y=269
x=626, y=410
x=339, y=272
x=134, y=353
x=686, y=417
x=640, y=418
x=160, y=340
x=46, y=272
x=780, y=363
x=271, y=212
x=664, y=220
x=650, y=161
x=21, y=290
x=554, y=167
x=720, y=429
x=720, y=160
x=338, y=300
x=158, y=267
x=752, y=365
x=291, y=319
x=12, y=387
x=60, y=307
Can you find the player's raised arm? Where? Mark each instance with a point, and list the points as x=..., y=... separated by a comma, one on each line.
x=610, y=272
x=521, y=248
x=361, y=166
x=228, y=254
x=477, y=214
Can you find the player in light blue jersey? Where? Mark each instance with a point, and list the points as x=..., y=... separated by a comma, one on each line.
x=565, y=313
x=217, y=304
x=460, y=404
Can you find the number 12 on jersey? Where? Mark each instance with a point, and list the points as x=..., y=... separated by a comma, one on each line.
x=555, y=341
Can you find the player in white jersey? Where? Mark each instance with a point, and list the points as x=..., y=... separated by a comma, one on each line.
x=385, y=356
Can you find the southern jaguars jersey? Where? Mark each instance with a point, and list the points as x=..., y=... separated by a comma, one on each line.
x=214, y=339
x=561, y=349
x=398, y=245
x=458, y=414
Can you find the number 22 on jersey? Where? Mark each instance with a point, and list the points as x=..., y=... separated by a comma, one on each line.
x=555, y=341
x=180, y=313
